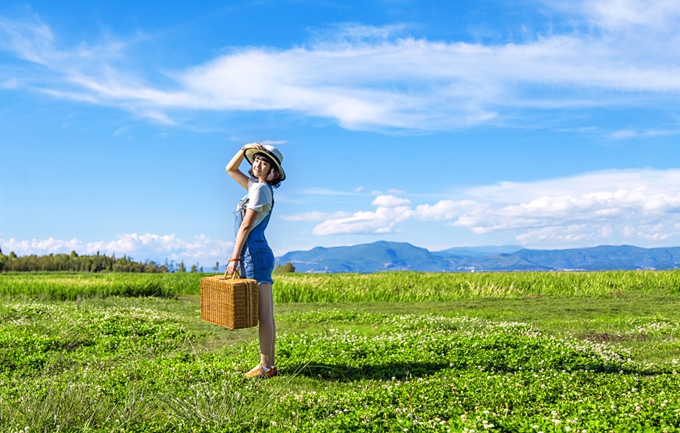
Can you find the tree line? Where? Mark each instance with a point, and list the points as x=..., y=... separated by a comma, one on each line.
x=87, y=263
x=100, y=263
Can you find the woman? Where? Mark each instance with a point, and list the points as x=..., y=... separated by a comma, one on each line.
x=252, y=254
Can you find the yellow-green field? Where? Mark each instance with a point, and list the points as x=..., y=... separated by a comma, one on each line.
x=379, y=287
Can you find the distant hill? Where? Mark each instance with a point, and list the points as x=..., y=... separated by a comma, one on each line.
x=604, y=257
x=478, y=251
x=392, y=256
x=378, y=256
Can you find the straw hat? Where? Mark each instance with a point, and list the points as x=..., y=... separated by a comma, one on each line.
x=273, y=153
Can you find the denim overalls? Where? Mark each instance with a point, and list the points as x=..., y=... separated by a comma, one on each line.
x=257, y=259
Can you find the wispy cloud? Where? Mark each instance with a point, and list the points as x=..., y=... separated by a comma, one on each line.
x=326, y=191
x=314, y=216
x=630, y=133
x=618, y=14
x=141, y=247
x=375, y=77
x=10, y=84
x=634, y=205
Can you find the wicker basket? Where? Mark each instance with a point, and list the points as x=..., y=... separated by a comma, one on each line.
x=229, y=302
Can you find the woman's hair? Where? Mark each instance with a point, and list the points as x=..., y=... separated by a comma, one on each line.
x=274, y=177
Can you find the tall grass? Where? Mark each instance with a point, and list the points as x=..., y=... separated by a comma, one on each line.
x=60, y=286
x=378, y=287
x=418, y=286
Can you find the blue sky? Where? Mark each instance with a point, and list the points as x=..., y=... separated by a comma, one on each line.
x=545, y=124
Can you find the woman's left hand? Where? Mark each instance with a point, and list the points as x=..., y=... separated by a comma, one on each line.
x=231, y=267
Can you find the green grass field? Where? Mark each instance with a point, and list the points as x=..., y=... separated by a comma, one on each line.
x=403, y=352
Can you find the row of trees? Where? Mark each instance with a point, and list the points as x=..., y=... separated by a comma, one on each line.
x=87, y=263
x=100, y=263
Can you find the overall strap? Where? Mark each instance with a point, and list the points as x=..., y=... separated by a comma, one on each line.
x=271, y=191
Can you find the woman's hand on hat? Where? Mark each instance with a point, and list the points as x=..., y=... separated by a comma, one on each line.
x=253, y=145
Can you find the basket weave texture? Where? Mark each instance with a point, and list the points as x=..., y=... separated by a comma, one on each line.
x=229, y=302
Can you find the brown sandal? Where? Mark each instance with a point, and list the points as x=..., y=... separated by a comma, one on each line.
x=262, y=372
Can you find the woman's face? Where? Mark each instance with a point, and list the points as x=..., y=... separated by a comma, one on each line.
x=261, y=167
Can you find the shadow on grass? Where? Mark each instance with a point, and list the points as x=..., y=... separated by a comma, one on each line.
x=349, y=373
x=401, y=371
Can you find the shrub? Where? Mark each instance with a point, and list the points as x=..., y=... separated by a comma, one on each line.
x=287, y=268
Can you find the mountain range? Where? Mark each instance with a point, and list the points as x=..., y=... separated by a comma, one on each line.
x=395, y=256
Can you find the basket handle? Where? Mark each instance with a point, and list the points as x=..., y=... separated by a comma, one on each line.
x=233, y=276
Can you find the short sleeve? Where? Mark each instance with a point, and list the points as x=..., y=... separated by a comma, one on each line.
x=260, y=197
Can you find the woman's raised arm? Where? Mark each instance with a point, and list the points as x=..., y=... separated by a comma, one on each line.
x=235, y=163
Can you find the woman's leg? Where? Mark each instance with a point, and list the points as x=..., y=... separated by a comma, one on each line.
x=267, y=325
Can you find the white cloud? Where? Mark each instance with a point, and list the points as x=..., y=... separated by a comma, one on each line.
x=587, y=208
x=390, y=201
x=448, y=209
x=603, y=199
x=382, y=220
x=367, y=77
x=390, y=211
x=141, y=247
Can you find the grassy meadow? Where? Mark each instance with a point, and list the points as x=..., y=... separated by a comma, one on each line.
x=402, y=352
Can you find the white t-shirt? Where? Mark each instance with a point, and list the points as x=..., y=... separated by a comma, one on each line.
x=259, y=198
